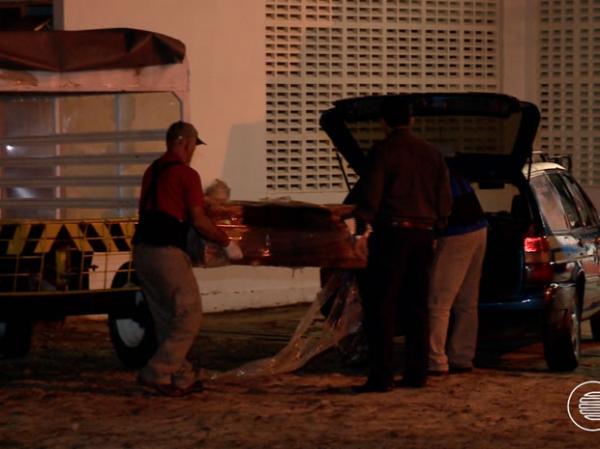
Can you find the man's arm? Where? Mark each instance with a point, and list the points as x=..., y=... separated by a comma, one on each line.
x=371, y=188
x=210, y=231
x=206, y=227
x=202, y=222
x=444, y=194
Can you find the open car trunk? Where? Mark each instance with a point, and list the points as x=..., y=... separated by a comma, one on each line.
x=488, y=138
x=509, y=218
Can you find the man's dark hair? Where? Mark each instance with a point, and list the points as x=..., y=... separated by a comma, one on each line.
x=396, y=111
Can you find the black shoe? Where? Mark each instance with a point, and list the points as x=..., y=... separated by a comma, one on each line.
x=460, y=369
x=407, y=382
x=373, y=387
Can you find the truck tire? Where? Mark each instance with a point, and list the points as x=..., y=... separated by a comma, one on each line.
x=15, y=338
x=595, y=325
x=133, y=336
x=562, y=340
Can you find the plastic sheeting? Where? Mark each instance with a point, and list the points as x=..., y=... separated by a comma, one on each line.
x=316, y=332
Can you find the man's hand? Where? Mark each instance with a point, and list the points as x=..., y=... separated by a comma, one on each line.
x=361, y=246
x=233, y=251
x=361, y=243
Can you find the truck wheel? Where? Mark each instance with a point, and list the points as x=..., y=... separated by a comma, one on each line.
x=562, y=341
x=595, y=325
x=132, y=335
x=15, y=338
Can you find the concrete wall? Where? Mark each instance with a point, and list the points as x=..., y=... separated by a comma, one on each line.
x=227, y=74
x=520, y=58
x=228, y=108
x=520, y=36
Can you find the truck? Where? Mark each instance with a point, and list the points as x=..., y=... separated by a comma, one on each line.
x=82, y=113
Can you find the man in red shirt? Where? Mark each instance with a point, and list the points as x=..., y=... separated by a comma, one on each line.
x=171, y=201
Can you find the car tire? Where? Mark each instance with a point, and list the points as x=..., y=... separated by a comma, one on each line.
x=15, y=338
x=595, y=325
x=132, y=335
x=562, y=340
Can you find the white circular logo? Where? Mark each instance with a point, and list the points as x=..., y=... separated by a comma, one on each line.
x=583, y=406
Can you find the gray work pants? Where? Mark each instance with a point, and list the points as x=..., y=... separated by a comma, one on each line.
x=454, y=287
x=166, y=277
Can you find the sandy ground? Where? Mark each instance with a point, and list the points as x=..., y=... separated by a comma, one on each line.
x=72, y=393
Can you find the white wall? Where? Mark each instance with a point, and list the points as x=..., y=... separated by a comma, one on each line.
x=227, y=74
x=520, y=58
x=520, y=37
x=228, y=84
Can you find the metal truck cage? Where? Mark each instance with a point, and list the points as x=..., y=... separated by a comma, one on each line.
x=82, y=113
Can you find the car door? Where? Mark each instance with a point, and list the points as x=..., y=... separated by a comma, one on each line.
x=590, y=235
x=585, y=228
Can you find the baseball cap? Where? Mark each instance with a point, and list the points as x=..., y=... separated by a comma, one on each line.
x=179, y=130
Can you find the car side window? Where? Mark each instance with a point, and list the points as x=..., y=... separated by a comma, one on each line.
x=567, y=201
x=551, y=208
x=587, y=211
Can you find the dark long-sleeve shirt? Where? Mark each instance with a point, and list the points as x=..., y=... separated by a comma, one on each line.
x=407, y=179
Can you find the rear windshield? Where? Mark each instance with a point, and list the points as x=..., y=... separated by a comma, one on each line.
x=452, y=135
x=550, y=203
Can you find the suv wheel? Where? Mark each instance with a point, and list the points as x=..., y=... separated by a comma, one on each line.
x=15, y=338
x=132, y=334
x=562, y=338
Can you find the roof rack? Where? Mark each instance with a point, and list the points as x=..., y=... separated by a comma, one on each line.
x=566, y=160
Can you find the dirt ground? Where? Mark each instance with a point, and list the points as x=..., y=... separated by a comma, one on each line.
x=72, y=393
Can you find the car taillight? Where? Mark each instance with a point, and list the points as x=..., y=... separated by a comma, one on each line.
x=537, y=259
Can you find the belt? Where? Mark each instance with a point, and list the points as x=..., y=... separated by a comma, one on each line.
x=408, y=224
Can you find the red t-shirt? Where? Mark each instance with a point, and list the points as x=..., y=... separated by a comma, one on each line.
x=179, y=188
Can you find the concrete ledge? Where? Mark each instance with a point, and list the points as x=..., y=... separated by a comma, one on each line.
x=242, y=287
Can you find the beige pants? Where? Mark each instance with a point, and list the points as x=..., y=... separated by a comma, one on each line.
x=454, y=288
x=169, y=285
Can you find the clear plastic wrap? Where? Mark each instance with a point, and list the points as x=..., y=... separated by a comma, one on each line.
x=335, y=314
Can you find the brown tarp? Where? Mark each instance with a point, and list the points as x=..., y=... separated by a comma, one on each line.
x=65, y=51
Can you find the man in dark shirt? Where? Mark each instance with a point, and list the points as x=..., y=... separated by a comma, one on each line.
x=405, y=194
